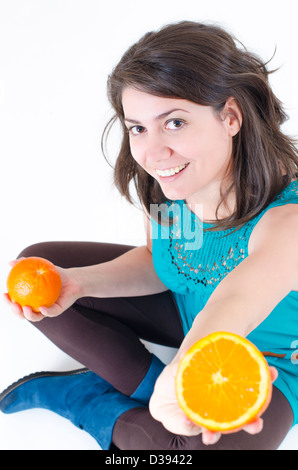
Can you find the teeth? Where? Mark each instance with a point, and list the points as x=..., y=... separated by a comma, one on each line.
x=170, y=171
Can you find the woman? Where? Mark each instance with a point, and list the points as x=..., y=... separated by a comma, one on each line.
x=202, y=142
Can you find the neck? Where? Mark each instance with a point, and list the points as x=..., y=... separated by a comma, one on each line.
x=209, y=199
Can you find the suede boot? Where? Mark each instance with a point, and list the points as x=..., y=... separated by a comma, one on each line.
x=146, y=387
x=81, y=396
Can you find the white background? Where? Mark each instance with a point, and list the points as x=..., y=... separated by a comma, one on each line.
x=55, y=56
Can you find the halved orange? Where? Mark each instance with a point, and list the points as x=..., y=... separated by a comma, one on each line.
x=223, y=382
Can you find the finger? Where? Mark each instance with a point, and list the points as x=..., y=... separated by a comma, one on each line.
x=190, y=428
x=273, y=373
x=6, y=298
x=255, y=427
x=173, y=419
x=32, y=316
x=181, y=428
x=210, y=438
x=15, y=261
x=51, y=312
x=15, y=307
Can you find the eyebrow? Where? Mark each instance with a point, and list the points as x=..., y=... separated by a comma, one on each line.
x=160, y=116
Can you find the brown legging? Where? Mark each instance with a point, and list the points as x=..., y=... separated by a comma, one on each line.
x=104, y=335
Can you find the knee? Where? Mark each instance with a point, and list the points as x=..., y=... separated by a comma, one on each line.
x=43, y=250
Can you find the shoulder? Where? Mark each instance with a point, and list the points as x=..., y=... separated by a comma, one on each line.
x=273, y=243
x=278, y=226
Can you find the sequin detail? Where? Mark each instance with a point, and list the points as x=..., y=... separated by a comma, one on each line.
x=185, y=266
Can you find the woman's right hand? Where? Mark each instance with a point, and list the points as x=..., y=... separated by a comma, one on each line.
x=70, y=293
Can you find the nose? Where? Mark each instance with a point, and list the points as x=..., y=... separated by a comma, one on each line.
x=157, y=149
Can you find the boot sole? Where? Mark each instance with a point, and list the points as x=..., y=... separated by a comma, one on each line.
x=36, y=375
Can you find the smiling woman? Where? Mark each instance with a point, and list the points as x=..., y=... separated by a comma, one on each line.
x=201, y=126
x=205, y=68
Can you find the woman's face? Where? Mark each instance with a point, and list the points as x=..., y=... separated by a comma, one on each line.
x=186, y=147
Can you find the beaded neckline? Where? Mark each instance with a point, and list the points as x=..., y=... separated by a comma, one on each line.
x=185, y=266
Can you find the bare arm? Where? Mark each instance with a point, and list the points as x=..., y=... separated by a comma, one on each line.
x=131, y=274
x=253, y=289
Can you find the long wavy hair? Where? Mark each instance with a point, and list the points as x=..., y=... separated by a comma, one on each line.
x=205, y=64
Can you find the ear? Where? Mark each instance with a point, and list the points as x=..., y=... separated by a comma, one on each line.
x=232, y=116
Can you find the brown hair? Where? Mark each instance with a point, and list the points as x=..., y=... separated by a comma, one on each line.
x=204, y=64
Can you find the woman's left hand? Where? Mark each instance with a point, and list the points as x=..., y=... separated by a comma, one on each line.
x=164, y=407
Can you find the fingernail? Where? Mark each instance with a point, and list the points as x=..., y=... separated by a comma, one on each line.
x=211, y=439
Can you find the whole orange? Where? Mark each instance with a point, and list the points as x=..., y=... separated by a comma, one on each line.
x=34, y=282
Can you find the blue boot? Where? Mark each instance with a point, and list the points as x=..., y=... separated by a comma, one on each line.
x=81, y=396
x=146, y=387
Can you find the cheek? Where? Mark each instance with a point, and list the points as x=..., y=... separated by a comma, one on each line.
x=212, y=148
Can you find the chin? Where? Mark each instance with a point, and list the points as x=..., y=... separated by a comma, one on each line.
x=174, y=194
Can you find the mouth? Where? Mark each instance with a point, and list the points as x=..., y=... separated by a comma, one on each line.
x=171, y=171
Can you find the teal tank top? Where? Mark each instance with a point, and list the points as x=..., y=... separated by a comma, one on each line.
x=191, y=262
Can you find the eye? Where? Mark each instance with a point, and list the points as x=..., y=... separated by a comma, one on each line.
x=175, y=124
x=136, y=130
